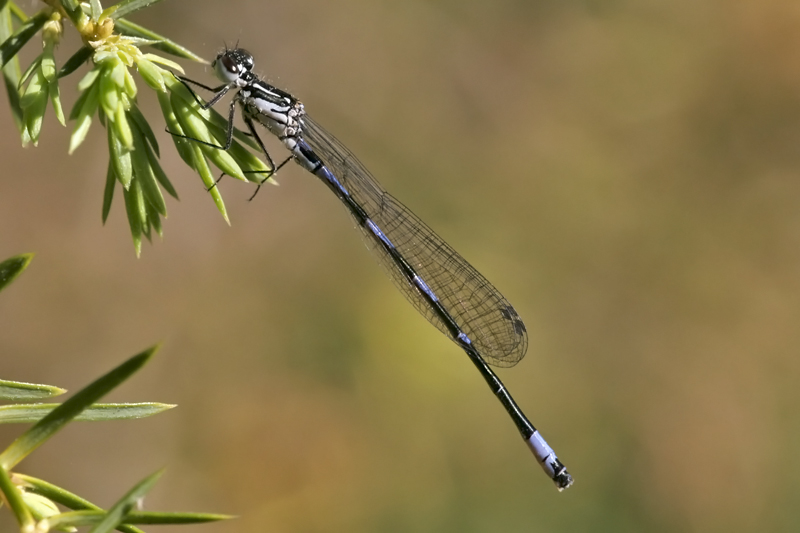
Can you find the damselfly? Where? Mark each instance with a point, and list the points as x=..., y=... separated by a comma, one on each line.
x=447, y=290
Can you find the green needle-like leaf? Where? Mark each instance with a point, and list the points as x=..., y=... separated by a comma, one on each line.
x=78, y=105
x=34, y=105
x=16, y=391
x=70, y=5
x=74, y=12
x=201, y=166
x=30, y=70
x=30, y=75
x=108, y=191
x=89, y=518
x=173, y=126
x=120, y=158
x=78, y=58
x=257, y=170
x=88, y=107
x=248, y=161
x=18, y=13
x=123, y=129
x=126, y=27
x=159, y=173
x=197, y=128
x=154, y=218
x=97, y=9
x=11, y=81
x=142, y=518
x=151, y=74
x=126, y=7
x=11, y=71
x=65, y=498
x=13, y=44
x=135, y=114
x=141, y=167
x=89, y=79
x=108, y=12
x=13, y=267
x=51, y=76
x=163, y=61
x=137, y=216
x=99, y=412
x=55, y=99
x=147, y=223
x=13, y=496
x=50, y=424
x=119, y=511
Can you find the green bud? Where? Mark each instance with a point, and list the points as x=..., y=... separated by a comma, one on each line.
x=84, y=117
x=39, y=506
x=129, y=85
x=109, y=94
x=34, y=104
x=55, y=98
x=49, y=62
x=120, y=158
x=34, y=90
x=151, y=74
x=30, y=70
x=117, y=73
x=125, y=57
x=89, y=79
x=123, y=129
x=101, y=56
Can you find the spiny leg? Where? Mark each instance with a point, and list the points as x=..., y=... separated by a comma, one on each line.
x=263, y=171
x=220, y=91
x=228, y=133
x=270, y=162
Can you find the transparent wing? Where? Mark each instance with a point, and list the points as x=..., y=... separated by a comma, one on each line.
x=482, y=313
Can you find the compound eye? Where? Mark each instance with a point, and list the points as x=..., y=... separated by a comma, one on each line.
x=229, y=64
x=227, y=68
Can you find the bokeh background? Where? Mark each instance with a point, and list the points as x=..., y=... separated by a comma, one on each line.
x=626, y=172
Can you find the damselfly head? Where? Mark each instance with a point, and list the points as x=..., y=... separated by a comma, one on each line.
x=231, y=65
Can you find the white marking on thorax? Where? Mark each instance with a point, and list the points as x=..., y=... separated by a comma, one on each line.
x=275, y=112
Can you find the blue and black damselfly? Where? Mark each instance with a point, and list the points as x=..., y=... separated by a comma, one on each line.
x=438, y=282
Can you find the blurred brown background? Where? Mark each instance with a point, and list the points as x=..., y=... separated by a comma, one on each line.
x=626, y=172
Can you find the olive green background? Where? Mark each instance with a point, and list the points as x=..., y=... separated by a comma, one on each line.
x=627, y=173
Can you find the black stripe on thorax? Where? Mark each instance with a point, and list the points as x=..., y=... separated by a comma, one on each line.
x=265, y=91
